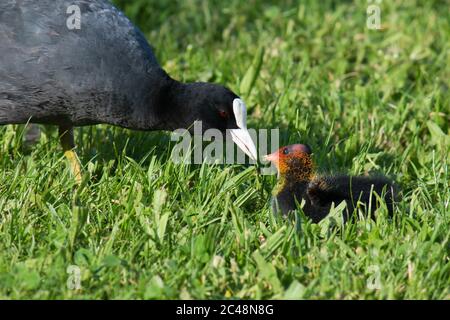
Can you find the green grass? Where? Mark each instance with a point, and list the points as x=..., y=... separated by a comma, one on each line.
x=144, y=227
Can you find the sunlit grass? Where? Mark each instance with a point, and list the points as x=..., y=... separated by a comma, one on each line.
x=144, y=227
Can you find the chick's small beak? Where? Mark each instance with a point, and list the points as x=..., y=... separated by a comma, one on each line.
x=273, y=157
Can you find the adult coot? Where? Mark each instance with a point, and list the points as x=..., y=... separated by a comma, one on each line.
x=65, y=69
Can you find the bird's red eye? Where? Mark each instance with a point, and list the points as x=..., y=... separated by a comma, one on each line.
x=223, y=114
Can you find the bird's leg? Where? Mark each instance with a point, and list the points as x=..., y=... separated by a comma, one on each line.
x=68, y=145
x=33, y=134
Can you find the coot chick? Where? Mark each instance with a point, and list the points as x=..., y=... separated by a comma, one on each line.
x=298, y=180
x=104, y=72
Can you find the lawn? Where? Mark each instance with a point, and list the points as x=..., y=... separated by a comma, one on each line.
x=143, y=227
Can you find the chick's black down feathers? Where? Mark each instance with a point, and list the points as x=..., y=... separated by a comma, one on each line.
x=321, y=192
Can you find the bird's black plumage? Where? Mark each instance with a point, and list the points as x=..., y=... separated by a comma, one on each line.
x=104, y=72
x=322, y=191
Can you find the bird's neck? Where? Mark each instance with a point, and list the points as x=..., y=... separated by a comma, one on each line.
x=158, y=105
x=289, y=183
x=165, y=107
x=295, y=175
x=172, y=105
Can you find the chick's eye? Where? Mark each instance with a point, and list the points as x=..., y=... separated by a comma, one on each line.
x=223, y=114
x=285, y=151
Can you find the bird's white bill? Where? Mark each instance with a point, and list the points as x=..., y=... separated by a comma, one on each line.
x=242, y=138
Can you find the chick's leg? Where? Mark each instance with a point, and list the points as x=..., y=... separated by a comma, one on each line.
x=68, y=145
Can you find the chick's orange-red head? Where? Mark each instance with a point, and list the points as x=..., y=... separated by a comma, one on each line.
x=293, y=160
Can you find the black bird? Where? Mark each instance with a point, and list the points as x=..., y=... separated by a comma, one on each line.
x=298, y=180
x=62, y=69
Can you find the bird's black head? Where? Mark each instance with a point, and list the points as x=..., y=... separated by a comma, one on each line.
x=216, y=107
x=211, y=104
